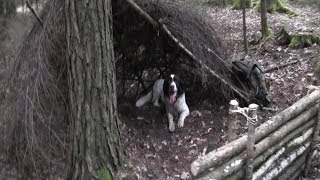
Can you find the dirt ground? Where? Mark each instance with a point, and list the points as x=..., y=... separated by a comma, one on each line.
x=155, y=153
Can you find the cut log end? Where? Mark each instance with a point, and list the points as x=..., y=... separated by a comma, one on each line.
x=195, y=168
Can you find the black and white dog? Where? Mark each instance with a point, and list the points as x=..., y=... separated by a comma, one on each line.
x=171, y=94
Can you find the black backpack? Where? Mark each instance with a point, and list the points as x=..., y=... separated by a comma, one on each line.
x=250, y=74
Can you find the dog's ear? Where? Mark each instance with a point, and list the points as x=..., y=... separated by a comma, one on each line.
x=180, y=86
x=166, y=86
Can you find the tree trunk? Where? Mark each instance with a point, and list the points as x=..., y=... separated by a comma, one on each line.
x=96, y=148
x=245, y=41
x=237, y=4
x=265, y=32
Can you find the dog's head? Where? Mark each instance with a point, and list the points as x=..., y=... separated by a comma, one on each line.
x=172, y=87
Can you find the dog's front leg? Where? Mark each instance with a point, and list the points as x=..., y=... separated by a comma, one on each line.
x=183, y=115
x=171, y=123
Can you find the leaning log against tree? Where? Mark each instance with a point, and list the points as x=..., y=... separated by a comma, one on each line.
x=219, y=155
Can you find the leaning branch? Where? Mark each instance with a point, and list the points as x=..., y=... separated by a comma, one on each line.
x=142, y=13
x=34, y=12
x=280, y=66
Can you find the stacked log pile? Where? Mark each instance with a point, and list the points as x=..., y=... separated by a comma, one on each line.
x=283, y=148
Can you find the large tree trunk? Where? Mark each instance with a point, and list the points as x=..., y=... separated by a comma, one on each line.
x=96, y=149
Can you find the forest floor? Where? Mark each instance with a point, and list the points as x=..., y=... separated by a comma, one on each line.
x=154, y=153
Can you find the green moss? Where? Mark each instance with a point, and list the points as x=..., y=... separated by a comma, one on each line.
x=316, y=38
x=283, y=37
x=295, y=41
x=308, y=41
x=277, y=6
x=266, y=35
x=105, y=174
x=281, y=8
x=303, y=40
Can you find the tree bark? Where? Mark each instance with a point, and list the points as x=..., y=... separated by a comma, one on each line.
x=265, y=32
x=244, y=26
x=96, y=148
x=237, y=4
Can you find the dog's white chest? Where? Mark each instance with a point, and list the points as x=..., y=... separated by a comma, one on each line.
x=176, y=108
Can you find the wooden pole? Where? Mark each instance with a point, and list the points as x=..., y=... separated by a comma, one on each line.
x=244, y=26
x=232, y=122
x=252, y=120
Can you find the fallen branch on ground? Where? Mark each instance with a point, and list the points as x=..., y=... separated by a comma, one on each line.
x=269, y=109
x=280, y=66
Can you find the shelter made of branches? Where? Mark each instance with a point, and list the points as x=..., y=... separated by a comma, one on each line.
x=155, y=37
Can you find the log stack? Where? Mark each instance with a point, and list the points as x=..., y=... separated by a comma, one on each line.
x=284, y=145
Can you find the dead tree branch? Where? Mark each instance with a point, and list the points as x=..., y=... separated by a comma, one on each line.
x=142, y=13
x=280, y=66
x=34, y=12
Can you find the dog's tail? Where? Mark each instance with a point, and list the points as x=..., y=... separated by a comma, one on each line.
x=143, y=100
